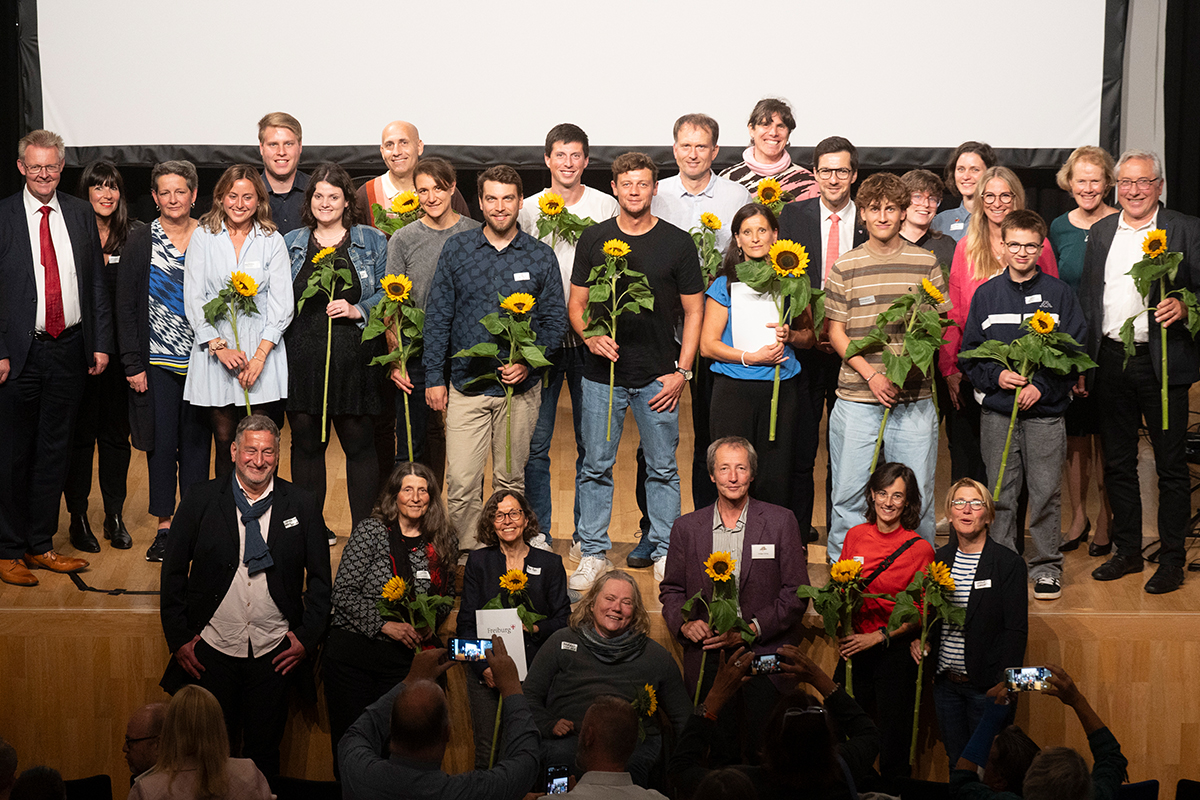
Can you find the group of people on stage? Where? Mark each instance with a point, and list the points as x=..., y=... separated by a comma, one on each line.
x=226, y=325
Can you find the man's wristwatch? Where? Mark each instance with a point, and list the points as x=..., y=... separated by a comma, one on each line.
x=686, y=373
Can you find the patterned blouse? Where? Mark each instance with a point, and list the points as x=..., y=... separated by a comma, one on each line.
x=171, y=336
x=797, y=180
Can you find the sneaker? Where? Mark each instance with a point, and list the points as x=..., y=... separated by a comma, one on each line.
x=576, y=553
x=1047, y=589
x=540, y=543
x=590, y=568
x=158, y=547
x=331, y=536
x=641, y=556
x=660, y=568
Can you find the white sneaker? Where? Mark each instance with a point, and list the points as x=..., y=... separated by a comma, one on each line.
x=576, y=554
x=660, y=568
x=590, y=568
x=540, y=543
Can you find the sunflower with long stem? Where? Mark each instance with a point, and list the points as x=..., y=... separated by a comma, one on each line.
x=235, y=298
x=721, y=610
x=514, y=594
x=705, y=239
x=837, y=601
x=396, y=316
x=324, y=278
x=554, y=219
x=404, y=209
x=399, y=601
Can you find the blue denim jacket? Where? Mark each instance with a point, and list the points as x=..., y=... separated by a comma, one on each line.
x=368, y=254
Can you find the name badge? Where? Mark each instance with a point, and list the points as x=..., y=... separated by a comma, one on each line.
x=534, y=570
x=957, y=226
x=422, y=575
x=762, y=551
x=520, y=276
x=859, y=559
x=114, y=259
x=984, y=584
x=1033, y=298
x=867, y=300
x=291, y=522
x=570, y=646
x=251, y=265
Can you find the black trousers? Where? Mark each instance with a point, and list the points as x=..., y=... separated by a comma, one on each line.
x=743, y=408
x=704, y=491
x=817, y=392
x=356, y=433
x=1127, y=396
x=962, y=434
x=885, y=686
x=102, y=425
x=37, y=417
x=182, y=444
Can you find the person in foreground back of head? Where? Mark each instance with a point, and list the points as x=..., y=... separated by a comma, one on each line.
x=1056, y=773
x=39, y=783
x=606, y=741
x=8, y=768
x=413, y=722
x=800, y=751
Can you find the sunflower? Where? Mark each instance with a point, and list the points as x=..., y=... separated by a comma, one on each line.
x=1041, y=322
x=518, y=303
x=405, y=203
x=551, y=204
x=719, y=566
x=244, y=284
x=513, y=581
x=710, y=221
x=769, y=191
x=651, y=700
x=940, y=574
x=845, y=570
x=932, y=292
x=395, y=589
x=788, y=258
x=397, y=287
x=616, y=248
x=1155, y=244
x=323, y=254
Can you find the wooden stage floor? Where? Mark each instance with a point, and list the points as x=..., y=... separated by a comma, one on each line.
x=75, y=663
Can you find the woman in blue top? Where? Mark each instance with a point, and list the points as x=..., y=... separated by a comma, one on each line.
x=237, y=235
x=353, y=399
x=743, y=380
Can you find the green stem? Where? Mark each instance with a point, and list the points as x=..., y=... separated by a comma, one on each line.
x=879, y=438
x=1012, y=421
x=700, y=679
x=237, y=344
x=612, y=373
x=1162, y=330
x=775, y=387
x=508, y=393
x=912, y=751
x=496, y=732
x=325, y=391
x=407, y=422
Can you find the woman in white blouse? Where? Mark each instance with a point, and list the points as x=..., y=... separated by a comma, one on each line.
x=237, y=235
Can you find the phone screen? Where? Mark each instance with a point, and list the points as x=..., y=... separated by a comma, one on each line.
x=1028, y=679
x=469, y=649
x=556, y=779
x=766, y=664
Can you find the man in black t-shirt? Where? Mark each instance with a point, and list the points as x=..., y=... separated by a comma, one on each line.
x=651, y=368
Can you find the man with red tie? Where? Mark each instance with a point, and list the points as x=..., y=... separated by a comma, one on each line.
x=55, y=328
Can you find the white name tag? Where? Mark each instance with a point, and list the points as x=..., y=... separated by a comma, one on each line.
x=534, y=570
x=520, y=276
x=423, y=575
x=251, y=265
x=866, y=301
x=1033, y=298
x=984, y=584
x=762, y=551
x=859, y=559
x=957, y=226
x=570, y=646
x=114, y=259
x=291, y=522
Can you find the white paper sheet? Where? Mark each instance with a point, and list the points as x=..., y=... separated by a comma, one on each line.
x=505, y=623
x=750, y=312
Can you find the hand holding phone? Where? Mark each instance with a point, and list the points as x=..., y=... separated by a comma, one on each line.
x=1028, y=679
x=469, y=649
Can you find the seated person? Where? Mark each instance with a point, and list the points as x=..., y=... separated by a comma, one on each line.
x=39, y=783
x=606, y=741
x=606, y=650
x=412, y=724
x=142, y=734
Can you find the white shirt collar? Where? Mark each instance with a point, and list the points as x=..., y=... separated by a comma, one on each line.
x=1125, y=226
x=846, y=212
x=33, y=205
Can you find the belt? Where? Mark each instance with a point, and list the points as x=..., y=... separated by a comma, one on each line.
x=955, y=677
x=42, y=336
x=1139, y=348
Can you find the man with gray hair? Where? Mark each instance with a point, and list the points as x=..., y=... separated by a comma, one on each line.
x=246, y=591
x=141, y=738
x=1130, y=393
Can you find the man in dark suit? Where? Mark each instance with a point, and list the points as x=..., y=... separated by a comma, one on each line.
x=246, y=590
x=1129, y=394
x=55, y=330
x=771, y=563
x=828, y=227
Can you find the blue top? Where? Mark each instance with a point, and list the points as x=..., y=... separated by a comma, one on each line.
x=790, y=368
x=471, y=277
x=952, y=222
x=171, y=336
x=1069, y=244
x=368, y=257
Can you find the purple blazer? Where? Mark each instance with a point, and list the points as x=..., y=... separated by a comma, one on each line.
x=766, y=586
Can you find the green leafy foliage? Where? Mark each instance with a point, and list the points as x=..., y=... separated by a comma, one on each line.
x=563, y=225
x=722, y=611
x=389, y=223
x=515, y=330
x=923, y=328
x=506, y=599
x=710, y=258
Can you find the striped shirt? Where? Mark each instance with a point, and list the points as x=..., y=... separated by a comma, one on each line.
x=952, y=653
x=861, y=286
x=795, y=179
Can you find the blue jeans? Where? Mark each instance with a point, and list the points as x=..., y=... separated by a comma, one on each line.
x=959, y=708
x=659, y=432
x=910, y=438
x=568, y=365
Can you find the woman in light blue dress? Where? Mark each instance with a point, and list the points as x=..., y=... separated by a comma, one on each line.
x=237, y=235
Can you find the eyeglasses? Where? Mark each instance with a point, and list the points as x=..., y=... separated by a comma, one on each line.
x=1141, y=183
x=1025, y=247
x=896, y=497
x=129, y=741
x=974, y=504
x=509, y=515
x=38, y=169
x=924, y=200
x=800, y=712
x=1003, y=197
x=825, y=173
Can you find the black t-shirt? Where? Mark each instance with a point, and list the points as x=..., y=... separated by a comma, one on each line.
x=669, y=260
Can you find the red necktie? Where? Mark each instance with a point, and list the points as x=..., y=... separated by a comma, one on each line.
x=55, y=318
x=833, y=248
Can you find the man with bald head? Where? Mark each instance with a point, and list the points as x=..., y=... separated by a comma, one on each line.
x=413, y=721
x=141, y=738
x=401, y=147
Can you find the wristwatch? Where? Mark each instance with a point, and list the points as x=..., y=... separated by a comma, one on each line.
x=686, y=373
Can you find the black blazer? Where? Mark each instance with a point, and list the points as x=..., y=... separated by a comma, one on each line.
x=801, y=222
x=18, y=285
x=997, y=626
x=133, y=331
x=1183, y=235
x=202, y=559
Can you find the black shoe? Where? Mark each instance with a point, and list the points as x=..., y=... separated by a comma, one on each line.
x=1118, y=566
x=159, y=548
x=641, y=556
x=1073, y=544
x=82, y=537
x=116, y=532
x=811, y=535
x=1097, y=550
x=1047, y=589
x=1166, y=579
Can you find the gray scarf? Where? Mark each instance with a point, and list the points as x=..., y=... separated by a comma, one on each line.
x=626, y=646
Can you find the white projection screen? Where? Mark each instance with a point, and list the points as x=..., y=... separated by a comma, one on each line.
x=136, y=79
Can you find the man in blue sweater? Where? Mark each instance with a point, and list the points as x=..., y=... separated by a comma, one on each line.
x=1039, y=443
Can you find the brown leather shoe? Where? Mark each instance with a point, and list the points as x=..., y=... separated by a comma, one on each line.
x=54, y=562
x=14, y=572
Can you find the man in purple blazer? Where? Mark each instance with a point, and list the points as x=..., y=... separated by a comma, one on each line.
x=770, y=562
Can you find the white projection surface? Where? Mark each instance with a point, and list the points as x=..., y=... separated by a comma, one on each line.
x=922, y=73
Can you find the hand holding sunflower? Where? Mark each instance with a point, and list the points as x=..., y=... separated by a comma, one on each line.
x=404, y=323
x=837, y=601
x=514, y=594
x=234, y=299
x=722, y=609
x=324, y=278
x=399, y=602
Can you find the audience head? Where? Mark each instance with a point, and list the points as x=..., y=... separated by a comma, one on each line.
x=634, y=182
x=174, y=186
x=401, y=148
x=239, y=199
x=732, y=466
x=798, y=744
x=420, y=727
x=612, y=606
x=1057, y=773
x=329, y=197
x=695, y=145
x=977, y=511
x=608, y=736
x=835, y=165
x=966, y=165
x=194, y=737
x=500, y=197
x=1089, y=175
x=507, y=518
x=893, y=496
x=924, y=194
x=8, y=767
x=142, y=735
x=753, y=230
x=1011, y=754
x=255, y=451
x=771, y=124
x=279, y=144
x=41, y=155
x=435, y=181
x=1139, y=184
x=729, y=783
x=39, y=783
x=882, y=203
x=567, y=154
x=413, y=492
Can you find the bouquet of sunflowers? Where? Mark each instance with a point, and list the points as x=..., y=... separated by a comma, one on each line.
x=722, y=610
x=396, y=315
x=405, y=208
x=554, y=219
x=837, y=601
x=397, y=601
x=236, y=297
x=513, y=594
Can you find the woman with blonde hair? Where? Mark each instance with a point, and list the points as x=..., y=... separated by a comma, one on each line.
x=193, y=756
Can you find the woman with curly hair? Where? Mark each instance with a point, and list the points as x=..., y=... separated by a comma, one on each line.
x=407, y=535
x=506, y=527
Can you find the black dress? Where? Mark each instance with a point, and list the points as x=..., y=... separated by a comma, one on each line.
x=353, y=386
